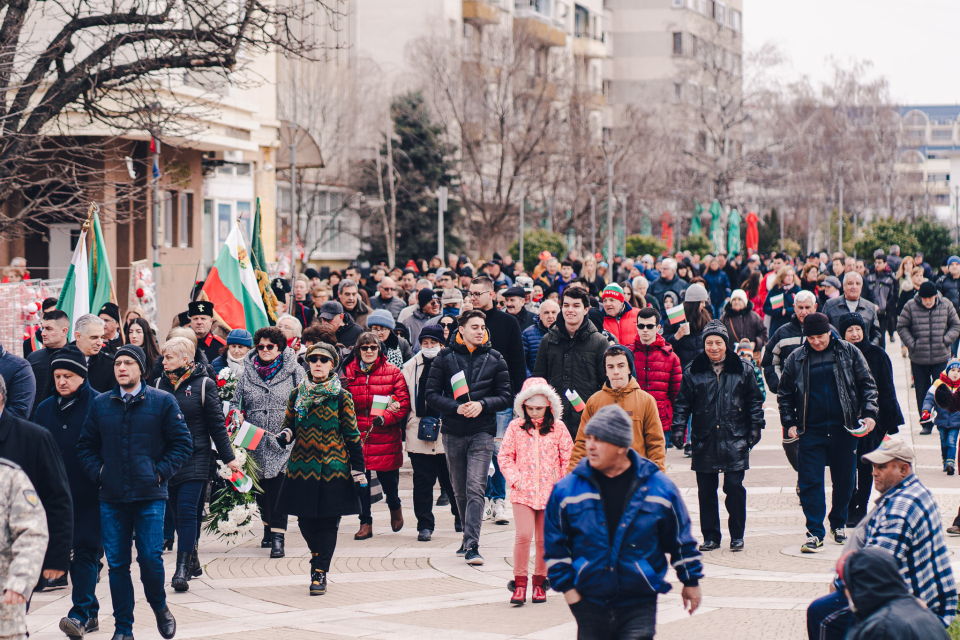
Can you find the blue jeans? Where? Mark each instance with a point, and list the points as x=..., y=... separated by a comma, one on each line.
x=184, y=503
x=497, y=484
x=833, y=446
x=829, y=617
x=83, y=575
x=119, y=521
x=948, y=444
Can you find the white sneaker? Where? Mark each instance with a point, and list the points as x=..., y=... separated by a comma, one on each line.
x=488, y=509
x=500, y=513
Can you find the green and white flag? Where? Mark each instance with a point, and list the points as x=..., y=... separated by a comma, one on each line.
x=75, y=296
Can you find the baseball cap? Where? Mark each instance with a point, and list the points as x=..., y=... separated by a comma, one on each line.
x=891, y=449
x=330, y=310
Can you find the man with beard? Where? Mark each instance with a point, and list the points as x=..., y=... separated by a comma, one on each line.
x=853, y=328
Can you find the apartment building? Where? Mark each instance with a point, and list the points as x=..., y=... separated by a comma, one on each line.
x=928, y=165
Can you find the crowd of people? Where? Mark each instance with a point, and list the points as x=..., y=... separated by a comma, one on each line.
x=565, y=383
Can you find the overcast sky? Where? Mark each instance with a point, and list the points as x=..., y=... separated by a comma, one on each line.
x=914, y=43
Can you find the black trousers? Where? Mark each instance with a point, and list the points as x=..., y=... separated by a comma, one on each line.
x=924, y=375
x=321, y=537
x=428, y=468
x=390, y=483
x=864, y=483
x=267, y=502
x=736, y=503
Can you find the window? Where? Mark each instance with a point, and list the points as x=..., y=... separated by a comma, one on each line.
x=943, y=134
x=915, y=135
x=677, y=91
x=581, y=22
x=677, y=43
x=677, y=4
x=186, y=220
x=209, y=241
x=169, y=217
x=942, y=198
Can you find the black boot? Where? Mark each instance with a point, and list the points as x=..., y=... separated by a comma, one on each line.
x=277, y=550
x=267, y=541
x=318, y=578
x=180, y=576
x=166, y=624
x=195, y=570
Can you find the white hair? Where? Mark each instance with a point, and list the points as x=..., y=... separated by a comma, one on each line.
x=805, y=296
x=851, y=273
x=669, y=263
x=86, y=321
x=640, y=282
x=297, y=327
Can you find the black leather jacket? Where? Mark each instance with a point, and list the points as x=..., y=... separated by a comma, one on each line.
x=856, y=387
x=725, y=409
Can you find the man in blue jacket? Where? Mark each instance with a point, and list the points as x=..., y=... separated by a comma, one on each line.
x=133, y=440
x=609, y=527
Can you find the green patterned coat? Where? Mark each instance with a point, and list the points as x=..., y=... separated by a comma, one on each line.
x=318, y=482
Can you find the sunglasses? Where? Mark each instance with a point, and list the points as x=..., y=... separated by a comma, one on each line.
x=643, y=327
x=266, y=347
x=369, y=347
x=388, y=288
x=314, y=359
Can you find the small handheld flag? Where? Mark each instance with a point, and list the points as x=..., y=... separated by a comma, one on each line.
x=574, y=398
x=240, y=482
x=676, y=314
x=248, y=436
x=459, y=384
x=777, y=301
x=860, y=431
x=379, y=406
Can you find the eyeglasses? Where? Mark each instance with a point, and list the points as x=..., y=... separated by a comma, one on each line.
x=477, y=294
x=266, y=347
x=388, y=288
x=368, y=348
x=321, y=359
x=646, y=327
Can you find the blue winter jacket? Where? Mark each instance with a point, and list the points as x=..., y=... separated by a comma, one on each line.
x=945, y=419
x=654, y=524
x=718, y=286
x=132, y=450
x=21, y=384
x=531, y=337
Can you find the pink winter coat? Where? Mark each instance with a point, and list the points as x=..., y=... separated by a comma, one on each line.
x=532, y=463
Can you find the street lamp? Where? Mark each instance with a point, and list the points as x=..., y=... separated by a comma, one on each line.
x=608, y=150
x=591, y=189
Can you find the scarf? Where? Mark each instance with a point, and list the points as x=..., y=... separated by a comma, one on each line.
x=366, y=367
x=179, y=374
x=945, y=379
x=68, y=401
x=235, y=365
x=267, y=370
x=311, y=393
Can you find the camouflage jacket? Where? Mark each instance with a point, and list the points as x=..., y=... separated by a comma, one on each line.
x=23, y=542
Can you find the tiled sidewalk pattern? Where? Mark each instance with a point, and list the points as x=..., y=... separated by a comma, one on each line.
x=392, y=587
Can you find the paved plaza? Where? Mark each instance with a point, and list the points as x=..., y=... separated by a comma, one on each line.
x=392, y=587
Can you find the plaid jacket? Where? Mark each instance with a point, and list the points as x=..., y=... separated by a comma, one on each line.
x=906, y=522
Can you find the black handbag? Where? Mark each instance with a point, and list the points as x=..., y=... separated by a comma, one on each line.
x=429, y=429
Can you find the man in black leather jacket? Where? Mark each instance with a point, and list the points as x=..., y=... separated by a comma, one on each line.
x=826, y=395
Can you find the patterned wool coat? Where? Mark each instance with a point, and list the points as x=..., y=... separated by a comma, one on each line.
x=265, y=405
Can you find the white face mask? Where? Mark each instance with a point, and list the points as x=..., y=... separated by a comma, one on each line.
x=431, y=352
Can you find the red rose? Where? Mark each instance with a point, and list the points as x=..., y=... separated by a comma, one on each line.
x=221, y=383
x=139, y=293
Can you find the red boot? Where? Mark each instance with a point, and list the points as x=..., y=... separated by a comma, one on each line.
x=519, y=590
x=539, y=595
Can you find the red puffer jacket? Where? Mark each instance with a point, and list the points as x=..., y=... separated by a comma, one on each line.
x=659, y=374
x=624, y=326
x=382, y=447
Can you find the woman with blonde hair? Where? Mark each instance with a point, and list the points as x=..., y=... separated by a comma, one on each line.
x=594, y=280
x=199, y=403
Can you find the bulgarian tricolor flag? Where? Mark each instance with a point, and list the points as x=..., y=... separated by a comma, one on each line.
x=232, y=286
x=248, y=436
x=777, y=301
x=240, y=482
x=75, y=294
x=459, y=385
x=379, y=406
x=676, y=314
x=575, y=399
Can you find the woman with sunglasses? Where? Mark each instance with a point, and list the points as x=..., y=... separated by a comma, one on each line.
x=448, y=324
x=325, y=462
x=367, y=374
x=270, y=374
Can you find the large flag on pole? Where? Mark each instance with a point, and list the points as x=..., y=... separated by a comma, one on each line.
x=232, y=286
x=75, y=296
x=259, y=262
x=100, y=277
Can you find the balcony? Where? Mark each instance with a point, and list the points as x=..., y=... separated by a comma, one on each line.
x=539, y=27
x=535, y=87
x=473, y=68
x=591, y=99
x=587, y=47
x=481, y=12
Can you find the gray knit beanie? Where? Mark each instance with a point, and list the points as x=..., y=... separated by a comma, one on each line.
x=716, y=328
x=611, y=424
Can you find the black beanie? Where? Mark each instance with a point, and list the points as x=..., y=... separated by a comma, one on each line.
x=110, y=309
x=848, y=320
x=135, y=352
x=816, y=324
x=71, y=359
x=928, y=290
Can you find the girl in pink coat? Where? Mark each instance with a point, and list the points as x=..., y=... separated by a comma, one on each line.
x=533, y=457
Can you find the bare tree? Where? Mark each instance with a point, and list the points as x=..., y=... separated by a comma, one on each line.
x=73, y=64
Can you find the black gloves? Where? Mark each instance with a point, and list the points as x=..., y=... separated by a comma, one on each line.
x=753, y=438
x=284, y=438
x=676, y=439
x=377, y=422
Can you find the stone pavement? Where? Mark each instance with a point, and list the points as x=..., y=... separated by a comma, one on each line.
x=393, y=587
